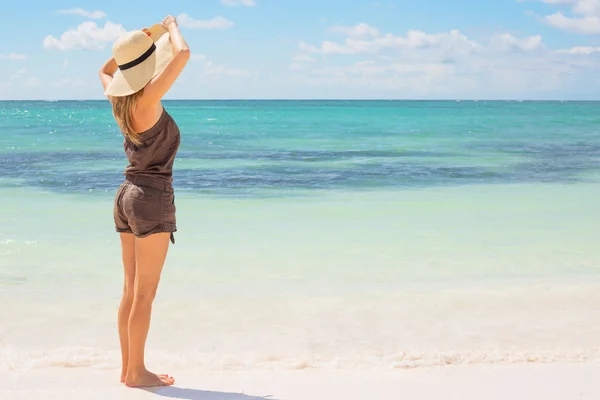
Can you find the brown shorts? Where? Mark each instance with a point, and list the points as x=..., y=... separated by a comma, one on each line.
x=144, y=206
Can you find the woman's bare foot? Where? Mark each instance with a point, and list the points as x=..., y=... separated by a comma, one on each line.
x=124, y=376
x=148, y=379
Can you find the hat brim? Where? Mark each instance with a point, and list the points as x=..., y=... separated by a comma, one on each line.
x=134, y=79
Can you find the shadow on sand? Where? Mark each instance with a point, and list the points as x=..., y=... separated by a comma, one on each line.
x=173, y=392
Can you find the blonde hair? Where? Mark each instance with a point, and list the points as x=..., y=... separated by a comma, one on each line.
x=123, y=108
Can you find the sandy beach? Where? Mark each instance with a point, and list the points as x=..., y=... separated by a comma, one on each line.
x=474, y=382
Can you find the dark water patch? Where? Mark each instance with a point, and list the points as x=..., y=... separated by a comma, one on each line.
x=281, y=177
x=31, y=158
x=309, y=155
x=542, y=162
x=540, y=149
x=20, y=159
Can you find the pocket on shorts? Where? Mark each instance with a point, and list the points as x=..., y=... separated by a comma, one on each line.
x=142, y=205
x=145, y=193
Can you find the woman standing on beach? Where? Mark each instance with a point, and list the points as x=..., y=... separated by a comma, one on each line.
x=144, y=65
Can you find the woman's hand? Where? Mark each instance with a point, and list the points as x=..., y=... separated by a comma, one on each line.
x=169, y=22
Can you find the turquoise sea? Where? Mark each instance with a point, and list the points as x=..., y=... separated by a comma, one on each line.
x=312, y=234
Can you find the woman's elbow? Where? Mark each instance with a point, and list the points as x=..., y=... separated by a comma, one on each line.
x=184, y=53
x=103, y=73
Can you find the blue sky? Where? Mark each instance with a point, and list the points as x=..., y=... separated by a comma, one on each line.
x=492, y=49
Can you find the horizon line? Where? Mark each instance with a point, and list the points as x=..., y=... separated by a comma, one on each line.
x=328, y=99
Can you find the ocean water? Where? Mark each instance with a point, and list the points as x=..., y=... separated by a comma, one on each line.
x=312, y=234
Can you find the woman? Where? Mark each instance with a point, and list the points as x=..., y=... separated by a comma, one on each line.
x=145, y=64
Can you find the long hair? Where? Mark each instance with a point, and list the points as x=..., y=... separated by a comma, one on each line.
x=123, y=108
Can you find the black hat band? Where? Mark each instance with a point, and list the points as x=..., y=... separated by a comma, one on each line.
x=139, y=60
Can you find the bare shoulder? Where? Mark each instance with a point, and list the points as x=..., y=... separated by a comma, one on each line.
x=146, y=116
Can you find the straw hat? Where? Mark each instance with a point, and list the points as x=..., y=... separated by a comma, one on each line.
x=140, y=55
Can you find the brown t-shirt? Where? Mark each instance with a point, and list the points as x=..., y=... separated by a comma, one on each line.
x=155, y=157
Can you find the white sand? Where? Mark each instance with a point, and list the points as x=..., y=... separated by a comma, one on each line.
x=474, y=382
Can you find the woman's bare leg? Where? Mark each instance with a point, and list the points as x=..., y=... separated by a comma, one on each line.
x=128, y=255
x=150, y=255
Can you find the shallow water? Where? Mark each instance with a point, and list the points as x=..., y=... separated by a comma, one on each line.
x=312, y=234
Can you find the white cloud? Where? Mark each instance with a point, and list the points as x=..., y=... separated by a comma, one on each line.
x=235, y=3
x=20, y=79
x=217, y=22
x=87, y=36
x=303, y=58
x=582, y=7
x=443, y=64
x=507, y=42
x=84, y=13
x=580, y=50
x=479, y=77
x=414, y=39
x=585, y=18
x=216, y=70
x=587, y=25
x=17, y=75
x=308, y=48
x=587, y=7
x=13, y=57
x=361, y=30
x=300, y=60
